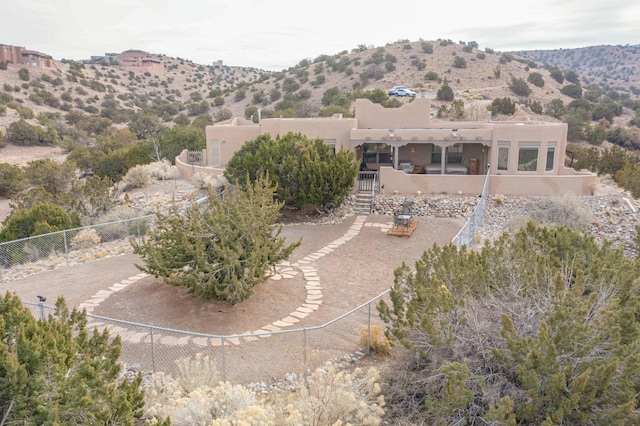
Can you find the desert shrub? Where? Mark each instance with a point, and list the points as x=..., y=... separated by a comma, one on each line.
x=222, y=114
x=431, y=76
x=509, y=335
x=208, y=405
x=197, y=372
x=536, y=79
x=162, y=170
x=204, y=180
x=22, y=133
x=519, y=87
x=459, y=62
x=137, y=177
x=307, y=173
x=563, y=211
x=445, y=93
x=502, y=106
x=120, y=223
x=11, y=179
x=572, y=90
x=373, y=337
x=331, y=396
x=24, y=74
x=41, y=218
x=85, y=239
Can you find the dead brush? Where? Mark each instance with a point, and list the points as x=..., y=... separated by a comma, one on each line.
x=373, y=339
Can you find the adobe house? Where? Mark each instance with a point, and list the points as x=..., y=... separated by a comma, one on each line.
x=407, y=153
x=140, y=61
x=18, y=55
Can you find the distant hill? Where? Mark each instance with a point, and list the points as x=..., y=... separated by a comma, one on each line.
x=219, y=91
x=611, y=67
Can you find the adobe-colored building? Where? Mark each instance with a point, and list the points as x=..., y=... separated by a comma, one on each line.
x=18, y=55
x=408, y=153
x=140, y=61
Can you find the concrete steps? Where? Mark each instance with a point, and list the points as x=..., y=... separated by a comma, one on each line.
x=363, y=203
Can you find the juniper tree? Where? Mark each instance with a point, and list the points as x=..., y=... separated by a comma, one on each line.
x=54, y=371
x=222, y=251
x=307, y=173
x=537, y=328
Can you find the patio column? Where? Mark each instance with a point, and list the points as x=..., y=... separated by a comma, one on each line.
x=395, y=157
x=443, y=157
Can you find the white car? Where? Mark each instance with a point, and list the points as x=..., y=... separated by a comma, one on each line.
x=402, y=91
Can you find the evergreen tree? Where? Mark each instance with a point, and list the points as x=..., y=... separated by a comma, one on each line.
x=56, y=372
x=538, y=328
x=223, y=251
x=307, y=173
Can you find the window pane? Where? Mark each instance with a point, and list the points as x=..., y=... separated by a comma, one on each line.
x=503, y=157
x=454, y=154
x=384, y=157
x=436, y=154
x=528, y=159
x=550, y=154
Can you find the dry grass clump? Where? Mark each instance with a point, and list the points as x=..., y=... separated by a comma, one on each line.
x=205, y=180
x=327, y=397
x=137, y=177
x=162, y=170
x=375, y=340
x=563, y=211
x=334, y=397
x=85, y=239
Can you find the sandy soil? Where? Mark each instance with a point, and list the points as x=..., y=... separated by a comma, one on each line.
x=349, y=276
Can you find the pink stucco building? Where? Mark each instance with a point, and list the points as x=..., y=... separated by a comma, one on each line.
x=140, y=61
x=18, y=55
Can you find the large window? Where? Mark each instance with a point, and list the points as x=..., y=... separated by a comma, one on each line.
x=528, y=158
x=551, y=152
x=376, y=153
x=454, y=154
x=503, y=156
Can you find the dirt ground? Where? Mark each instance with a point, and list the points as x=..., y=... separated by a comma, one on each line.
x=352, y=274
x=349, y=276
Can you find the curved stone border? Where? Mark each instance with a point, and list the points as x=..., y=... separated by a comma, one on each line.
x=284, y=270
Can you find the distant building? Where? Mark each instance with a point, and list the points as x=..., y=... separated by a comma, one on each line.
x=18, y=55
x=140, y=61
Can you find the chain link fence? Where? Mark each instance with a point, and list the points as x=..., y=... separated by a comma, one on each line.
x=241, y=358
x=466, y=235
x=54, y=250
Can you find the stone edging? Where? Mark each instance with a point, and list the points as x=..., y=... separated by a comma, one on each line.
x=284, y=270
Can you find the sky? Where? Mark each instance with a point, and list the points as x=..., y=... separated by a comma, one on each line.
x=278, y=34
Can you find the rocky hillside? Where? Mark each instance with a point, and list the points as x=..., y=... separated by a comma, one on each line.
x=187, y=89
x=611, y=67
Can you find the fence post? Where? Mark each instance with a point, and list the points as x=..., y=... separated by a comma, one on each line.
x=224, y=362
x=304, y=347
x=153, y=351
x=66, y=250
x=369, y=329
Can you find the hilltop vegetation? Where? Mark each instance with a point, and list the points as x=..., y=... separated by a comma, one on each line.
x=189, y=92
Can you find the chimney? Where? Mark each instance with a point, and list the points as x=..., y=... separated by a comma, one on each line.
x=488, y=116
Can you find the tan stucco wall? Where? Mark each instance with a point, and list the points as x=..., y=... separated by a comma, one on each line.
x=403, y=183
x=187, y=170
x=408, y=129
